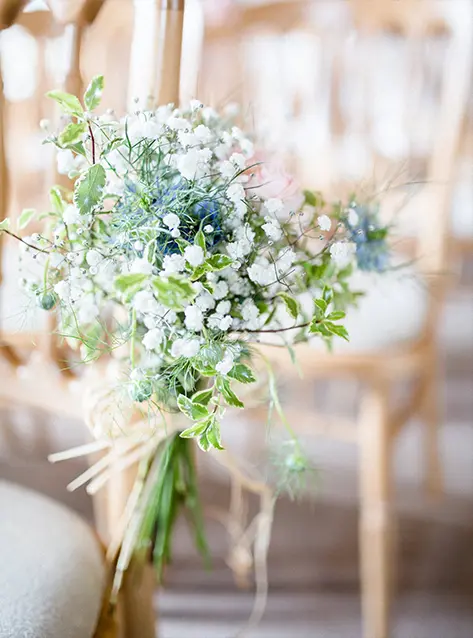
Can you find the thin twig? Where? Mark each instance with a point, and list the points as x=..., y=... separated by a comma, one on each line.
x=40, y=250
x=275, y=330
x=92, y=138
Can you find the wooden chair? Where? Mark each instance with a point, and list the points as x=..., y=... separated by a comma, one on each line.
x=37, y=352
x=388, y=347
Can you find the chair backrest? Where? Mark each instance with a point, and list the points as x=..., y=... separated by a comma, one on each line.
x=22, y=106
x=73, y=19
x=358, y=92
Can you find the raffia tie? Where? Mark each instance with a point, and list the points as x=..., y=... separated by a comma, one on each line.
x=123, y=445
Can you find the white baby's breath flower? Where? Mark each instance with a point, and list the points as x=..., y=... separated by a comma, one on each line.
x=272, y=229
x=194, y=255
x=352, y=217
x=213, y=322
x=203, y=133
x=141, y=266
x=173, y=264
x=71, y=215
x=194, y=318
x=187, y=138
x=153, y=339
x=342, y=252
x=220, y=290
x=193, y=164
x=144, y=301
x=250, y=314
x=209, y=114
x=187, y=164
x=171, y=220
x=205, y=301
x=93, y=257
x=195, y=105
x=235, y=192
x=226, y=364
x=239, y=160
x=140, y=128
x=177, y=123
x=223, y=307
x=185, y=348
x=62, y=290
x=208, y=229
x=247, y=147
x=324, y=222
x=227, y=169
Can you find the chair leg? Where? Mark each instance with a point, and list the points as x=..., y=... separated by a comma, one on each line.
x=136, y=614
x=135, y=610
x=430, y=414
x=375, y=515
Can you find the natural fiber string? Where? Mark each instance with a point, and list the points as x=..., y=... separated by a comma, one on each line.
x=138, y=447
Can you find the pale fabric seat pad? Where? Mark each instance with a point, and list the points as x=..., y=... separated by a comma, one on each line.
x=52, y=572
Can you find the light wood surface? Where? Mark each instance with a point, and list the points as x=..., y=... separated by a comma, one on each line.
x=416, y=364
x=42, y=384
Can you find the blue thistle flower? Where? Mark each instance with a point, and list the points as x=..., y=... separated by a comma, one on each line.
x=372, y=250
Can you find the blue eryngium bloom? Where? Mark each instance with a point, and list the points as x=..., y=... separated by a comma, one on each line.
x=169, y=196
x=372, y=251
x=208, y=212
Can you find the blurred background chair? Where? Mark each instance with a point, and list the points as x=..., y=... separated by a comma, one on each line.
x=353, y=93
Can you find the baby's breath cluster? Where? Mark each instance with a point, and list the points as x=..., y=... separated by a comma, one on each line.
x=175, y=248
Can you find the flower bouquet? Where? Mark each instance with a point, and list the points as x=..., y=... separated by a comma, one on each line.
x=173, y=257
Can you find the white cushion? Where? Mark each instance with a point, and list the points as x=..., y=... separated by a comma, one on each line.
x=392, y=312
x=52, y=573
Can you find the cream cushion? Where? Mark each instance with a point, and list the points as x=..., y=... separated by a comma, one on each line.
x=51, y=569
x=391, y=313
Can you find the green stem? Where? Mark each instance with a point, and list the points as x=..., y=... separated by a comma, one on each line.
x=277, y=404
x=132, y=338
x=45, y=275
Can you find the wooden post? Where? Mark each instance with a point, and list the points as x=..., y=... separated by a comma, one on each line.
x=137, y=616
x=430, y=413
x=170, y=37
x=375, y=510
x=9, y=10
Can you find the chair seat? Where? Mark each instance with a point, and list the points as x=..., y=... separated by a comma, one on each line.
x=392, y=312
x=52, y=573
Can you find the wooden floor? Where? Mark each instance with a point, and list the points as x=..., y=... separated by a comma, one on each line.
x=313, y=558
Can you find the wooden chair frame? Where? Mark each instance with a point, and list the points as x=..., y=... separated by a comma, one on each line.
x=136, y=616
x=378, y=422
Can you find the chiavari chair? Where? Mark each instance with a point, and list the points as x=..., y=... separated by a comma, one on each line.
x=323, y=82
x=48, y=384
